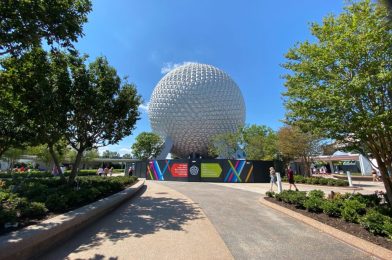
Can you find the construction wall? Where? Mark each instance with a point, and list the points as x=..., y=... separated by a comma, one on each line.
x=204, y=170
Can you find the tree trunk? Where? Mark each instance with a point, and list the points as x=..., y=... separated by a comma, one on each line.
x=75, y=166
x=56, y=161
x=385, y=178
x=305, y=166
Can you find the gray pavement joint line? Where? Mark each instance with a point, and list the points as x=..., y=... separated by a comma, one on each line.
x=349, y=239
x=33, y=240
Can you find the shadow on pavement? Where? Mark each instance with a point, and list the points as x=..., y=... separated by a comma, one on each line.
x=142, y=215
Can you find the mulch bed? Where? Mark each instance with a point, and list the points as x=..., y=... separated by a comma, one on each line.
x=338, y=223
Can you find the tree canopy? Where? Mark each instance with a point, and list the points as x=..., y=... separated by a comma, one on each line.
x=295, y=144
x=41, y=83
x=147, y=145
x=257, y=141
x=340, y=86
x=110, y=154
x=25, y=23
x=104, y=108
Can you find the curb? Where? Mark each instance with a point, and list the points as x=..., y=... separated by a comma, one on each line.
x=354, y=241
x=35, y=239
x=327, y=186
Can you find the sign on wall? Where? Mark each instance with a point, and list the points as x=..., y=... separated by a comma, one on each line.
x=209, y=170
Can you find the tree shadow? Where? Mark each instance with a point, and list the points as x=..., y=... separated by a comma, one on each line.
x=99, y=257
x=140, y=216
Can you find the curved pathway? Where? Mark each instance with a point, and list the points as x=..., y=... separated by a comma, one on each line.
x=253, y=231
x=180, y=220
x=159, y=223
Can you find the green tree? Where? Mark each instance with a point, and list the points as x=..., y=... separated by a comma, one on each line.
x=11, y=155
x=147, y=145
x=257, y=141
x=110, y=154
x=295, y=144
x=260, y=142
x=41, y=81
x=104, y=108
x=25, y=24
x=226, y=144
x=127, y=156
x=340, y=85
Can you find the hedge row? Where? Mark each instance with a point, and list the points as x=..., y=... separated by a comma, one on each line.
x=39, y=174
x=318, y=181
x=363, y=209
x=24, y=199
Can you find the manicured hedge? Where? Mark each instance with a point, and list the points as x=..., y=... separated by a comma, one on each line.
x=318, y=181
x=39, y=174
x=357, y=208
x=23, y=199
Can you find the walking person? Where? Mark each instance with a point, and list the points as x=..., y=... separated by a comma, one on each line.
x=374, y=175
x=106, y=171
x=290, y=177
x=273, y=177
x=111, y=171
x=100, y=171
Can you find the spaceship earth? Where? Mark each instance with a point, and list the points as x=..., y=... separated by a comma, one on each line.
x=193, y=103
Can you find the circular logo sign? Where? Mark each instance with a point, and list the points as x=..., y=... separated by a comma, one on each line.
x=194, y=170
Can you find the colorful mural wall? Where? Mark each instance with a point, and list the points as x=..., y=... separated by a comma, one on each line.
x=167, y=170
x=209, y=170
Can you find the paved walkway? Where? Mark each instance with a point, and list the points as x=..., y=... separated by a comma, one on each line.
x=253, y=231
x=262, y=188
x=181, y=220
x=160, y=223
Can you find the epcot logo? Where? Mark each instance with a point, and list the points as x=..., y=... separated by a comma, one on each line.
x=194, y=170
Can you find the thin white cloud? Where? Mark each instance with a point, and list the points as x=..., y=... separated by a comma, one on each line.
x=169, y=66
x=144, y=107
x=123, y=151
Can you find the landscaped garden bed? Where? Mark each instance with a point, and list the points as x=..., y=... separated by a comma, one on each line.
x=360, y=215
x=318, y=181
x=25, y=200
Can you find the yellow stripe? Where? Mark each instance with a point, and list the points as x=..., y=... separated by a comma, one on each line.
x=149, y=171
x=249, y=173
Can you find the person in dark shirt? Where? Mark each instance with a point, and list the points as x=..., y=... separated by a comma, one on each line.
x=290, y=177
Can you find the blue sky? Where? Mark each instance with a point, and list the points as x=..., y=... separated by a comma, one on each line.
x=245, y=38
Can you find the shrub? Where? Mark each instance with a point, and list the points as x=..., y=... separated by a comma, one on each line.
x=323, y=181
x=34, y=210
x=387, y=228
x=56, y=203
x=270, y=194
x=370, y=200
x=7, y=215
x=352, y=210
x=33, y=190
x=332, y=208
x=331, y=182
x=314, y=204
x=316, y=194
x=373, y=221
x=299, y=178
x=314, y=181
x=285, y=196
x=298, y=198
x=278, y=196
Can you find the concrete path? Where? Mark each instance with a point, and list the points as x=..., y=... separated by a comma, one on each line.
x=262, y=188
x=160, y=223
x=253, y=231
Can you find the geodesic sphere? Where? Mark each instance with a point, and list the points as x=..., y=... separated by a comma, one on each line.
x=192, y=103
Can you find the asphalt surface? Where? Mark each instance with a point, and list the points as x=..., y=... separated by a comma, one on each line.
x=253, y=231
